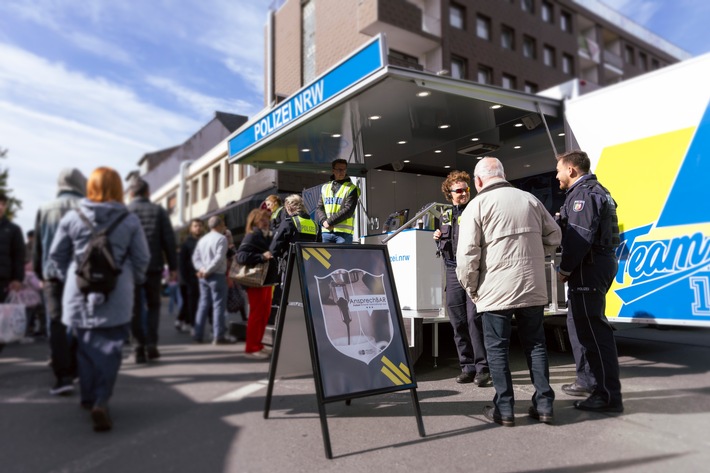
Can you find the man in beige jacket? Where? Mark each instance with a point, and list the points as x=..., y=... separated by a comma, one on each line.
x=504, y=236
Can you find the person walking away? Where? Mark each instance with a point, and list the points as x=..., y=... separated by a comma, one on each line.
x=254, y=249
x=588, y=265
x=12, y=254
x=189, y=283
x=337, y=203
x=71, y=187
x=465, y=320
x=210, y=260
x=99, y=321
x=500, y=261
x=161, y=241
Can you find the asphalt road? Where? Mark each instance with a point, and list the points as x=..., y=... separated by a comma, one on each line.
x=200, y=409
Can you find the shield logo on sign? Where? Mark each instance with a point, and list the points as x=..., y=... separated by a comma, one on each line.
x=356, y=313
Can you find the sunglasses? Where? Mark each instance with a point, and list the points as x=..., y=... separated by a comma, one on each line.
x=463, y=190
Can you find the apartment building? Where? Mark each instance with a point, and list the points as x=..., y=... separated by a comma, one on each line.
x=525, y=45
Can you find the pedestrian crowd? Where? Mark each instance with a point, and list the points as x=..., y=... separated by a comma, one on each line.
x=89, y=253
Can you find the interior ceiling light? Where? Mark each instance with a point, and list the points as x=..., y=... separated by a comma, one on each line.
x=407, y=161
x=516, y=147
x=526, y=165
x=279, y=162
x=305, y=150
x=336, y=135
x=479, y=158
x=444, y=126
x=518, y=125
x=437, y=151
x=561, y=134
x=368, y=155
x=495, y=107
x=423, y=93
x=447, y=167
x=474, y=139
x=401, y=142
x=375, y=117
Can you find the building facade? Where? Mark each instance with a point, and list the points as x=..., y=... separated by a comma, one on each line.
x=526, y=45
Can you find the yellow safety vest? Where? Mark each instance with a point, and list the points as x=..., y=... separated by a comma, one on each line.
x=276, y=213
x=332, y=203
x=305, y=226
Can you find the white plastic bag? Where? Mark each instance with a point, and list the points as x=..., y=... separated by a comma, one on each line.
x=13, y=321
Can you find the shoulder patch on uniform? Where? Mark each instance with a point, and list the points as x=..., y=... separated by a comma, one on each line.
x=578, y=205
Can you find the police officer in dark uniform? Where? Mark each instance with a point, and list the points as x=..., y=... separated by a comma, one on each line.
x=466, y=322
x=588, y=265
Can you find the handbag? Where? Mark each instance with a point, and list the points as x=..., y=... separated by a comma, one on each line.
x=249, y=276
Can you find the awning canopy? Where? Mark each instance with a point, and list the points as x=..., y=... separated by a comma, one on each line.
x=410, y=121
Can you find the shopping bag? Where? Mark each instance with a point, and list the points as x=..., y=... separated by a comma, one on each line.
x=249, y=276
x=13, y=321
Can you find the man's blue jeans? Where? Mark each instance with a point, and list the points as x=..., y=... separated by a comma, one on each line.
x=213, y=298
x=496, y=333
x=337, y=237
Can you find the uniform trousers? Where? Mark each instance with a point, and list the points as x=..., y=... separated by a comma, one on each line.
x=467, y=325
x=588, y=285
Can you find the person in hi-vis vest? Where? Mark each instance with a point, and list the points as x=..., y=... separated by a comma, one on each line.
x=336, y=206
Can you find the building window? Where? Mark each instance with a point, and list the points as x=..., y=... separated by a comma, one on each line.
x=308, y=40
x=458, y=68
x=229, y=175
x=527, y=6
x=530, y=88
x=629, y=55
x=172, y=203
x=216, y=178
x=548, y=56
x=485, y=75
x=457, y=16
x=546, y=12
x=205, y=185
x=483, y=27
x=529, y=47
x=567, y=64
x=566, y=21
x=655, y=64
x=643, y=60
x=507, y=38
x=508, y=81
x=195, y=185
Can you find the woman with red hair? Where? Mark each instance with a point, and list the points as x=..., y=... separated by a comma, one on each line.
x=100, y=322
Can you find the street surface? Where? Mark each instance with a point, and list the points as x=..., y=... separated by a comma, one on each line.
x=200, y=409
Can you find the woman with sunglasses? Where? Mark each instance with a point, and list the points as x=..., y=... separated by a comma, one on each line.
x=467, y=325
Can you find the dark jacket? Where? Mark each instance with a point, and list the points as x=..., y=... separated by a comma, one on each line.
x=288, y=233
x=12, y=252
x=589, y=224
x=187, y=271
x=251, y=252
x=159, y=233
x=448, y=246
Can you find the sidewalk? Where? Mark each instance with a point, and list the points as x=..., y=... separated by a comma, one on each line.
x=200, y=409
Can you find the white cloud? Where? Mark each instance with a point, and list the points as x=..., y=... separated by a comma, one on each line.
x=53, y=118
x=641, y=11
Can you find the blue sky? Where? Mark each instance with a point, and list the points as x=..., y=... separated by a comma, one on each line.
x=87, y=83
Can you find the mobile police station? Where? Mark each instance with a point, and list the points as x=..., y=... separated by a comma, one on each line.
x=403, y=130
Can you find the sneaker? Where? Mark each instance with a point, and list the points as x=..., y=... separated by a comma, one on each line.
x=63, y=387
x=101, y=419
x=226, y=340
x=259, y=355
x=482, y=379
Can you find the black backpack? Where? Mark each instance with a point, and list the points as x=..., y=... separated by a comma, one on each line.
x=97, y=270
